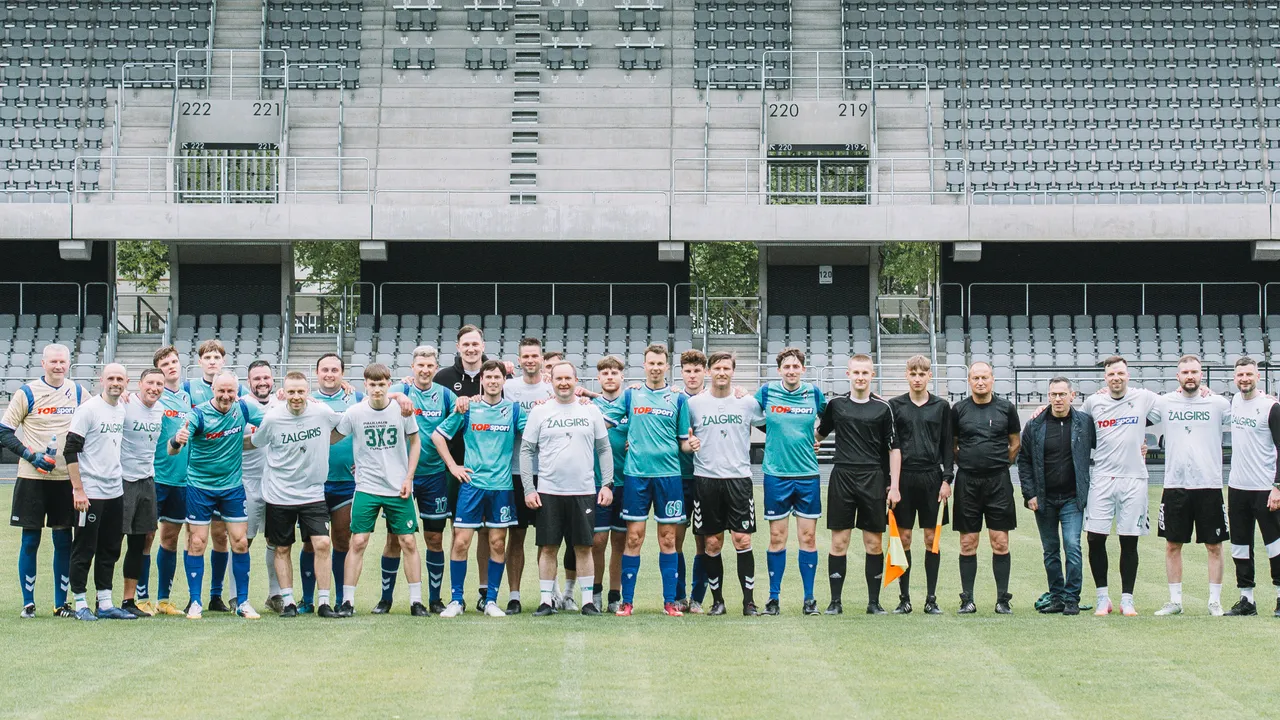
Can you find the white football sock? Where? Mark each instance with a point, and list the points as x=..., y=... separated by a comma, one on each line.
x=415, y=592
x=1175, y=593
x=1102, y=594
x=104, y=600
x=1247, y=594
x=547, y=589
x=1215, y=592
x=349, y=594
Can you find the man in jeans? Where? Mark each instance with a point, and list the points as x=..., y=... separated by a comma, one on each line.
x=1053, y=469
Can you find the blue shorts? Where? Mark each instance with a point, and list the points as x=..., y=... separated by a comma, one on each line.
x=784, y=496
x=339, y=494
x=484, y=508
x=610, y=517
x=664, y=494
x=432, y=494
x=205, y=505
x=171, y=503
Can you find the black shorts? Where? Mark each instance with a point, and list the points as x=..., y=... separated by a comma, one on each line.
x=1244, y=508
x=42, y=503
x=984, y=497
x=919, y=490
x=140, y=506
x=1202, y=508
x=857, y=497
x=311, y=518
x=566, y=518
x=721, y=504
x=526, y=517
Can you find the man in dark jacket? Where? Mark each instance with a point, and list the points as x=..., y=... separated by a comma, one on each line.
x=1053, y=469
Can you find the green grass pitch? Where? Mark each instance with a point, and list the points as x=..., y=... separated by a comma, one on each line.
x=1025, y=666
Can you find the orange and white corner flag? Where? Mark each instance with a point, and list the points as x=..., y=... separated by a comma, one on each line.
x=937, y=531
x=895, y=558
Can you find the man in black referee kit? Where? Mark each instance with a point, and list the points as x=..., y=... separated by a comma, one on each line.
x=923, y=426
x=987, y=433
x=858, y=493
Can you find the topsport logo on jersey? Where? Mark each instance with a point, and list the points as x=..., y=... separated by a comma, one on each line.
x=659, y=412
x=55, y=411
x=1117, y=422
x=427, y=413
x=490, y=427
x=788, y=410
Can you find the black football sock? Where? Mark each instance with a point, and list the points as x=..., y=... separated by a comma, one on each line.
x=968, y=574
x=837, y=567
x=1000, y=568
x=874, y=571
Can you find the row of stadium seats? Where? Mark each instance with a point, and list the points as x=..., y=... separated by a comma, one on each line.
x=730, y=41
x=320, y=40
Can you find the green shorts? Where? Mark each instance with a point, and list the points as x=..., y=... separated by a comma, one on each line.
x=401, y=513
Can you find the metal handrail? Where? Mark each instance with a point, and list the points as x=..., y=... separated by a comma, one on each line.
x=1061, y=197
x=286, y=328
x=759, y=165
x=24, y=283
x=1085, y=287
x=290, y=166
x=448, y=195
x=1266, y=307
x=497, y=285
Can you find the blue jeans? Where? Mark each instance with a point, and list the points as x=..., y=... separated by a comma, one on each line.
x=1054, y=513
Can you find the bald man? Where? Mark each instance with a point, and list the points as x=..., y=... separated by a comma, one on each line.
x=216, y=431
x=92, y=451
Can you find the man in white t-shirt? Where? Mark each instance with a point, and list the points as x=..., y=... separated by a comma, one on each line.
x=567, y=438
x=97, y=491
x=526, y=390
x=262, y=392
x=1253, y=488
x=723, y=497
x=1118, y=482
x=385, y=447
x=142, y=420
x=1192, y=496
x=294, y=439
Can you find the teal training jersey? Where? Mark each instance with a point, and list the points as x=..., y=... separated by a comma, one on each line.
x=789, y=420
x=617, y=442
x=172, y=469
x=342, y=463
x=686, y=459
x=430, y=408
x=489, y=432
x=201, y=390
x=655, y=421
x=217, y=444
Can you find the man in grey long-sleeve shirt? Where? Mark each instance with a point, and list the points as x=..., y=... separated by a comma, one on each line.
x=570, y=439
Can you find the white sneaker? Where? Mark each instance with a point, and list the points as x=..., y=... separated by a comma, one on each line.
x=1173, y=608
x=491, y=609
x=568, y=604
x=454, y=609
x=1104, y=607
x=246, y=611
x=195, y=612
x=1215, y=608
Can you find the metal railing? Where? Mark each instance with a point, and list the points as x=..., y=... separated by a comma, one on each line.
x=24, y=289
x=142, y=313
x=1266, y=298
x=552, y=292
x=890, y=171
x=1131, y=297
x=904, y=314
x=833, y=378
x=208, y=75
x=1033, y=380
x=1120, y=196
x=317, y=313
x=726, y=316
x=159, y=172
x=518, y=195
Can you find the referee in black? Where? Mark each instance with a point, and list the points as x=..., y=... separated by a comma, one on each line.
x=864, y=481
x=923, y=425
x=987, y=433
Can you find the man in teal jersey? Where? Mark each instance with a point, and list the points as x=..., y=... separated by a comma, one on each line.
x=486, y=498
x=791, y=484
x=216, y=432
x=213, y=356
x=656, y=419
x=432, y=403
x=609, y=523
x=171, y=477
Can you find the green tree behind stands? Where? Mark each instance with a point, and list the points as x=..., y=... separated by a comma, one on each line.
x=143, y=262
x=330, y=265
x=908, y=268
x=725, y=269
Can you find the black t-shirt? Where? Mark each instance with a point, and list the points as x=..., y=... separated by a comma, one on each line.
x=982, y=432
x=1059, y=467
x=924, y=433
x=864, y=430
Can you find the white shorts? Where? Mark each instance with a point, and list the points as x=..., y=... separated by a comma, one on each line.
x=256, y=508
x=1122, y=499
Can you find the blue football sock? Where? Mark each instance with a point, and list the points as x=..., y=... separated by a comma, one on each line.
x=27, y=555
x=457, y=579
x=681, y=574
x=669, y=568
x=777, y=562
x=194, y=565
x=218, y=566
x=340, y=576
x=495, y=579
x=390, y=567
x=808, y=570
x=166, y=567
x=435, y=574
x=144, y=578
x=61, y=565
x=240, y=570
x=307, y=562
x=630, y=569
x=699, y=578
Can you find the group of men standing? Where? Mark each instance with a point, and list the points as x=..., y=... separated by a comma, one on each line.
x=498, y=454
